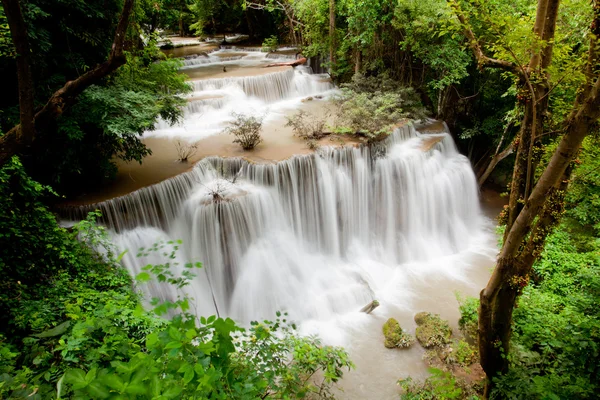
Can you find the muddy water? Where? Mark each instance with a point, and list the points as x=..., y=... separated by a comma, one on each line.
x=378, y=368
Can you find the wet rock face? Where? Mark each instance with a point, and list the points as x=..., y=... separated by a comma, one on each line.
x=395, y=337
x=432, y=331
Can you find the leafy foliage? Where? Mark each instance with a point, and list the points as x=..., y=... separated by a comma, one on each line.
x=270, y=44
x=557, y=326
x=439, y=386
x=108, y=120
x=37, y=257
x=468, y=321
x=371, y=106
x=246, y=129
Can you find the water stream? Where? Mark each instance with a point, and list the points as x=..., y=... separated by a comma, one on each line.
x=317, y=235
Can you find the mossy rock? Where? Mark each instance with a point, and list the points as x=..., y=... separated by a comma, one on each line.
x=395, y=337
x=421, y=317
x=432, y=331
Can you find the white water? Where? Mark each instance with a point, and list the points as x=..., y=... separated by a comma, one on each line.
x=214, y=100
x=318, y=236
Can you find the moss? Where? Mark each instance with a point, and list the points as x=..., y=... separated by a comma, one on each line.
x=395, y=337
x=460, y=353
x=432, y=331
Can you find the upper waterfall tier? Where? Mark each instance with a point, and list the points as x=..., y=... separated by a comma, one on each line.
x=270, y=87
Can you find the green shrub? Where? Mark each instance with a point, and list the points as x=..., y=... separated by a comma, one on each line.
x=306, y=126
x=469, y=316
x=432, y=331
x=246, y=130
x=270, y=44
x=439, y=386
x=371, y=106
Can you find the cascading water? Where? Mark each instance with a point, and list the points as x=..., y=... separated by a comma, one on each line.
x=265, y=92
x=318, y=235
x=284, y=236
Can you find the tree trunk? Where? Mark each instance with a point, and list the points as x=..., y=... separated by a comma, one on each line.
x=358, y=62
x=18, y=31
x=492, y=164
x=181, y=18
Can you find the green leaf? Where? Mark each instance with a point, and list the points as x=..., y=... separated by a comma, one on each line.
x=143, y=277
x=189, y=374
x=56, y=331
x=76, y=377
x=173, y=345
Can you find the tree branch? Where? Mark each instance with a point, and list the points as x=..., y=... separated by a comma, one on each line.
x=475, y=46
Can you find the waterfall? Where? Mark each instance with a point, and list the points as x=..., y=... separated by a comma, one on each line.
x=286, y=236
x=270, y=87
x=193, y=62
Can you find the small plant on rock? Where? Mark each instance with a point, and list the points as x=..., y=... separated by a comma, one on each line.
x=432, y=331
x=395, y=337
x=312, y=144
x=246, y=130
x=468, y=322
x=440, y=385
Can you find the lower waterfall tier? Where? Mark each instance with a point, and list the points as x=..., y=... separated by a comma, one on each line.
x=311, y=235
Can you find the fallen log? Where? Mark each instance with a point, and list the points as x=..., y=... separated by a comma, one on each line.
x=294, y=63
x=370, y=307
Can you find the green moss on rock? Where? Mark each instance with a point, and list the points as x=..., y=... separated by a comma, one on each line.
x=395, y=337
x=432, y=331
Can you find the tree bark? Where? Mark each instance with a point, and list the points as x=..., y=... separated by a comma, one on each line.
x=492, y=164
x=18, y=31
x=13, y=142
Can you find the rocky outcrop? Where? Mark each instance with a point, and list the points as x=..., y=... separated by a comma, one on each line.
x=395, y=337
x=432, y=331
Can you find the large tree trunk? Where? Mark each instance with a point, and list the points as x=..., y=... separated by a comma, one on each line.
x=14, y=142
x=18, y=31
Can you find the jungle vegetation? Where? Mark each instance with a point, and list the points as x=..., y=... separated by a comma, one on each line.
x=517, y=82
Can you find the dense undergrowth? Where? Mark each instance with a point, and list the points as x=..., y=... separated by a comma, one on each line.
x=73, y=324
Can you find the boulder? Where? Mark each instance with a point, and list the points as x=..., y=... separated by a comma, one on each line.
x=395, y=337
x=432, y=331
